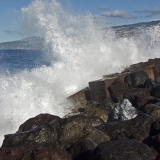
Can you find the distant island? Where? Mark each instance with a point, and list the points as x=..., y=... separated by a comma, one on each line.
x=37, y=43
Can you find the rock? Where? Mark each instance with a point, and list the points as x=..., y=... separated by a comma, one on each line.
x=137, y=96
x=33, y=153
x=123, y=150
x=157, y=92
x=155, y=128
x=51, y=154
x=136, y=128
x=94, y=111
x=88, y=120
x=37, y=121
x=82, y=149
x=62, y=134
x=153, y=110
x=124, y=111
x=117, y=89
x=151, y=85
x=156, y=143
x=80, y=99
x=136, y=79
x=157, y=73
x=109, y=106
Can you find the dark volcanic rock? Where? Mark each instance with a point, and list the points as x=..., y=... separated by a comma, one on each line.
x=117, y=89
x=136, y=128
x=137, y=96
x=37, y=121
x=157, y=92
x=156, y=143
x=33, y=153
x=153, y=110
x=123, y=150
x=136, y=79
x=151, y=85
x=88, y=120
x=61, y=134
x=82, y=149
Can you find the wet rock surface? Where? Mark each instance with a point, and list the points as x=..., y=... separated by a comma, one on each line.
x=123, y=150
x=136, y=128
x=116, y=118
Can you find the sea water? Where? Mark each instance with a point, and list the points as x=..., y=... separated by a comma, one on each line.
x=76, y=51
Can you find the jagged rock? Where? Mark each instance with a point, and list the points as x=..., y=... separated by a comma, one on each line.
x=151, y=85
x=82, y=149
x=109, y=106
x=136, y=128
x=157, y=92
x=123, y=150
x=155, y=128
x=137, y=96
x=51, y=154
x=94, y=111
x=61, y=134
x=33, y=153
x=157, y=73
x=153, y=110
x=124, y=111
x=86, y=119
x=117, y=89
x=136, y=79
x=80, y=99
x=37, y=121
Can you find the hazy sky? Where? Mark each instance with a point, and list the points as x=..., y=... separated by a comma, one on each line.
x=114, y=12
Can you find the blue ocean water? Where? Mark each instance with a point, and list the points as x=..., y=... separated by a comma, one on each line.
x=18, y=60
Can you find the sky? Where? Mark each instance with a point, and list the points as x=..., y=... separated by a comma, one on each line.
x=109, y=12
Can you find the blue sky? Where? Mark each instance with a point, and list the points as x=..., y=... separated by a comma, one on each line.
x=112, y=12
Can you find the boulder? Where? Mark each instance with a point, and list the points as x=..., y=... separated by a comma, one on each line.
x=94, y=111
x=123, y=150
x=153, y=110
x=62, y=134
x=37, y=121
x=151, y=85
x=136, y=79
x=157, y=73
x=117, y=89
x=136, y=128
x=80, y=99
x=156, y=143
x=86, y=119
x=109, y=106
x=83, y=149
x=33, y=153
x=157, y=92
x=137, y=96
x=124, y=111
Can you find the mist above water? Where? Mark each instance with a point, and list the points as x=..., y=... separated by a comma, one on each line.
x=77, y=51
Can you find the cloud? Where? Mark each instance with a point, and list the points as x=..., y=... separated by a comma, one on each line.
x=12, y=32
x=150, y=12
x=118, y=14
x=102, y=8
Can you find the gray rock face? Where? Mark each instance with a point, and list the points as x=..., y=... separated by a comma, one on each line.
x=124, y=111
x=123, y=150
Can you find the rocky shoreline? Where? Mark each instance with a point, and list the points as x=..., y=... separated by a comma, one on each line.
x=115, y=118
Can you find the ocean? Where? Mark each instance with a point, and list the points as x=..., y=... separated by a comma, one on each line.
x=77, y=50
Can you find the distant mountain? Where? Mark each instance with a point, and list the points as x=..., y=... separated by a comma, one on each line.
x=32, y=43
x=37, y=43
x=134, y=29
